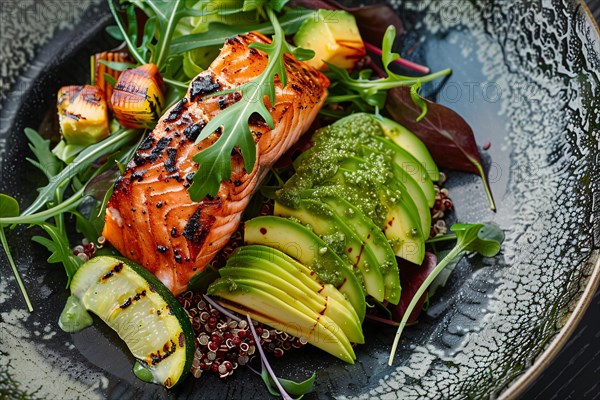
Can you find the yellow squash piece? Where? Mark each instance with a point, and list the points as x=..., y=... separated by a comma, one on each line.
x=334, y=37
x=82, y=114
x=138, y=98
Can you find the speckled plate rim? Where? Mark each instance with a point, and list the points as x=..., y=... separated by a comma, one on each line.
x=560, y=340
x=562, y=337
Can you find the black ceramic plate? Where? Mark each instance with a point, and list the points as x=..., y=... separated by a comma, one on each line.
x=525, y=77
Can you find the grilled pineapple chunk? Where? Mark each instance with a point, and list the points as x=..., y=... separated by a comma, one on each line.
x=138, y=97
x=82, y=114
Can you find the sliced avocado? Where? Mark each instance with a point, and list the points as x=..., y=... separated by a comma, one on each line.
x=362, y=142
x=304, y=245
x=288, y=272
x=371, y=235
x=400, y=163
x=400, y=223
x=268, y=309
x=412, y=168
x=333, y=36
x=411, y=143
x=369, y=185
x=261, y=274
x=295, y=270
x=341, y=238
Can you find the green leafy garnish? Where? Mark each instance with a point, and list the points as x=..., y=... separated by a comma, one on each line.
x=45, y=161
x=83, y=160
x=62, y=177
x=290, y=22
x=9, y=207
x=418, y=100
x=291, y=387
x=483, y=239
x=215, y=161
x=373, y=92
x=58, y=245
x=117, y=66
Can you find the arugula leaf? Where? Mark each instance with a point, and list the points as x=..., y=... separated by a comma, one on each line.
x=114, y=32
x=374, y=92
x=67, y=152
x=110, y=79
x=58, y=245
x=418, y=100
x=9, y=207
x=46, y=160
x=84, y=160
x=163, y=18
x=215, y=161
x=483, y=239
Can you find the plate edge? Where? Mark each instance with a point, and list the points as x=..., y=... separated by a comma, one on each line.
x=560, y=340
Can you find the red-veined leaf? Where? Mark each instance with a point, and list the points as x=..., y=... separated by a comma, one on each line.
x=412, y=277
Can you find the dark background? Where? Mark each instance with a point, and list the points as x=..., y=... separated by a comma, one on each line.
x=575, y=372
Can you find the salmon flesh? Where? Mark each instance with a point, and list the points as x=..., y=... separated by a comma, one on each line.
x=150, y=217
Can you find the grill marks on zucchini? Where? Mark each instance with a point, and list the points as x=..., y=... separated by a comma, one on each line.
x=144, y=313
x=130, y=300
x=117, y=268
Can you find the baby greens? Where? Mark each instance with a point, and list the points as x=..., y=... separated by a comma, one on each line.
x=61, y=177
x=483, y=239
x=85, y=159
x=374, y=92
x=290, y=21
x=9, y=207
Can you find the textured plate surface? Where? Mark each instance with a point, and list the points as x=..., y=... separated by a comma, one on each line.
x=525, y=77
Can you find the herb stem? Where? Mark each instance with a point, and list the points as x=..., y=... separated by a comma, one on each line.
x=222, y=310
x=442, y=238
x=176, y=84
x=331, y=114
x=380, y=73
x=65, y=206
x=400, y=61
x=82, y=161
x=451, y=255
x=130, y=45
x=390, y=83
x=15, y=270
x=343, y=98
x=284, y=394
x=384, y=321
x=486, y=186
x=59, y=218
x=165, y=38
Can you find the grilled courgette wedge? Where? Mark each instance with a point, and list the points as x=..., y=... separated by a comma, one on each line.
x=144, y=313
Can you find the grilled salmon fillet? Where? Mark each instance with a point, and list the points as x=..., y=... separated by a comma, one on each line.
x=150, y=217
